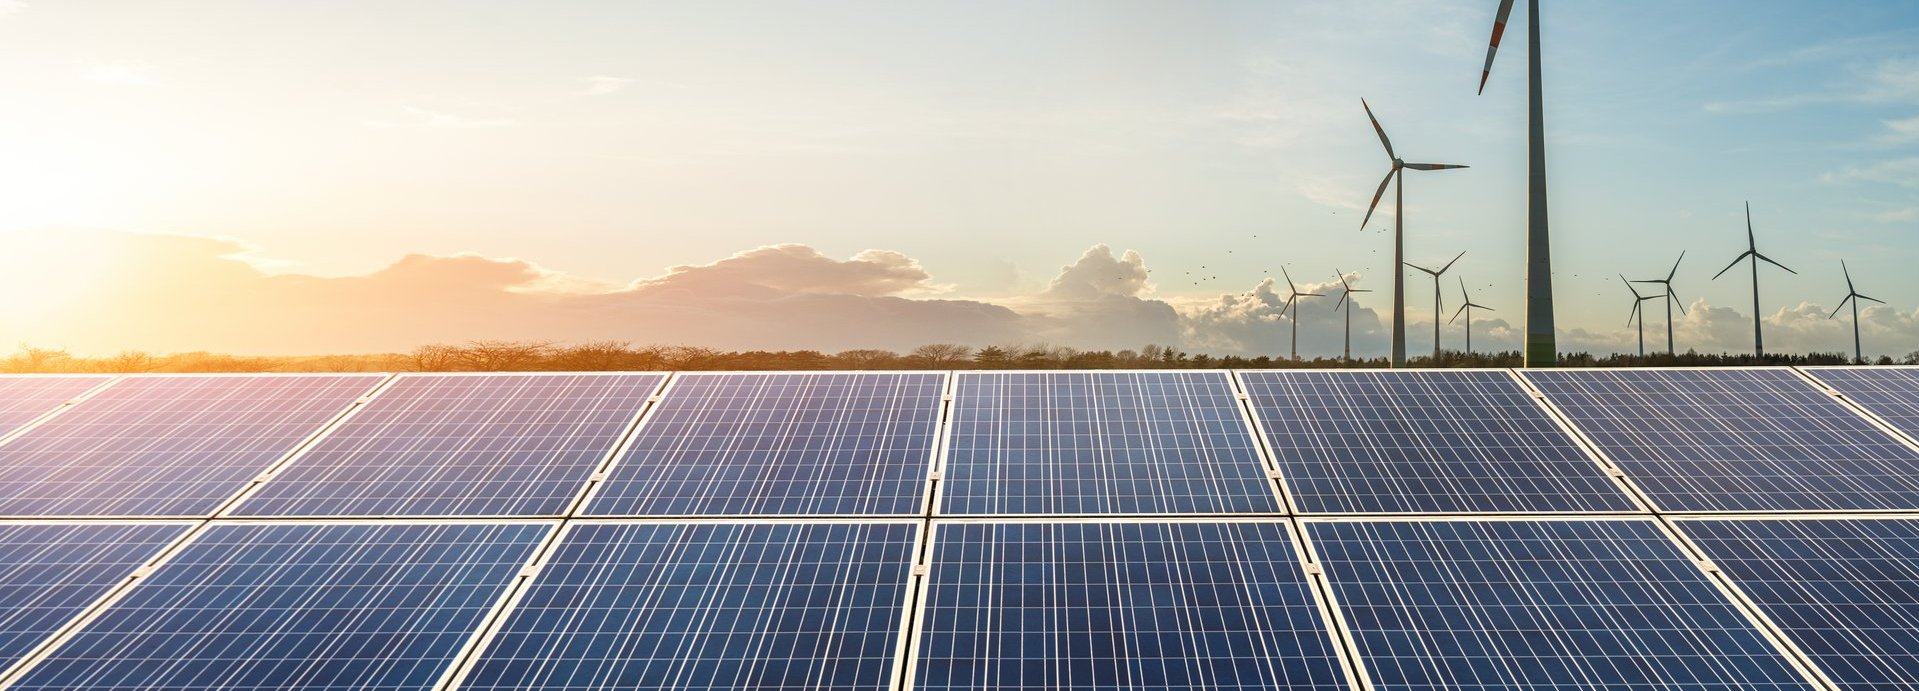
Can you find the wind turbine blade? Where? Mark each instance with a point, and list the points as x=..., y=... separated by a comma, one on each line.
x=1483, y=307
x=1634, y=314
x=1289, y=280
x=1376, y=195
x=1434, y=166
x=1848, y=273
x=1449, y=265
x=1842, y=305
x=1492, y=48
x=1342, y=300
x=1751, y=244
x=1388, y=143
x=1675, y=267
x=1311, y=295
x=1462, y=309
x=1774, y=263
x=1863, y=297
x=1342, y=279
x=1735, y=262
x=1468, y=297
x=1421, y=268
x=1674, y=297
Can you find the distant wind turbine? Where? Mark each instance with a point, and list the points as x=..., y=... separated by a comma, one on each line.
x=1637, y=313
x=1752, y=251
x=1541, y=348
x=1349, y=308
x=1399, y=232
x=1672, y=298
x=1437, y=303
x=1853, y=297
x=1292, y=303
x=1467, y=309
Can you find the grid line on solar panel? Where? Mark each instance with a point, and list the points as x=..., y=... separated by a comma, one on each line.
x=651, y=604
x=52, y=572
x=25, y=398
x=1451, y=441
x=1541, y=603
x=1889, y=394
x=521, y=444
x=1734, y=440
x=1104, y=603
x=779, y=444
x=1844, y=590
x=300, y=605
x=1104, y=442
x=167, y=445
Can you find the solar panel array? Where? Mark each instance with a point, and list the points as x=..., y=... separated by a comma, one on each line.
x=1569, y=529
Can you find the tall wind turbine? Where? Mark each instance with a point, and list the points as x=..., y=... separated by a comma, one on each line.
x=1437, y=304
x=1638, y=313
x=1467, y=309
x=1752, y=251
x=1853, y=297
x=1399, y=232
x=1292, y=303
x=1343, y=300
x=1541, y=348
x=1672, y=298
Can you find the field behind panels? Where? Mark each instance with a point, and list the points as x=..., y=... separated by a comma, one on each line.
x=1443, y=529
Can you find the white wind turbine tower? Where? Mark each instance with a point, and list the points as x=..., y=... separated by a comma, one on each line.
x=1638, y=313
x=1348, y=304
x=1467, y=309
x=1399, y=232
x=1541, y=346
x=1292, y=303
x=1438, y=305
x=1752, y=252
x=1672, y=298
x=1853, y=297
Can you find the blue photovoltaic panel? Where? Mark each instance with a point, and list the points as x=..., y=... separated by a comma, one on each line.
x=1846, y=591
x=1083, y=606
x=51, y=572
x=26, y=397
x=1756, y=439
x=1545, y=604
x=1102, y=443
x=709, y=606
x=1423, y=442
x=780, y=444
x=167, y=445
x=1892, y=393
x=462, y=445
x=299, y=606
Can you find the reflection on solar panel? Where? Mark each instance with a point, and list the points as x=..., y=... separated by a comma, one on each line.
x=299, y=606
x=1102, y=443
x=26, y=397
x=166, y=445
x=51, y=572
x=1169, y=605
x=1846, y=591
x=780, y=444
x=448, y=445
x=709, y=606
x=1434, y=442
x=1892, y=393
x=1538, y=605
x=1754, y=439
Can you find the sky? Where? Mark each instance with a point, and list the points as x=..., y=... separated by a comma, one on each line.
x=291, y=178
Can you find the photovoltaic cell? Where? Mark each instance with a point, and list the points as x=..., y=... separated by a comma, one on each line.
x=52, y=572
x=780, y=444
x=26, y=397
x=462, y=445
x=1846, y=591
x=1081, y=606
x=1031, y=443
x=299, y=606
x=1500, y=604
x=709, y=606
x=1754, y=439
x=1892, y=393
x=166, y=445
x=1423, y=442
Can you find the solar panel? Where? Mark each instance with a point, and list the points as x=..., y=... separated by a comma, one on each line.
x=1892, y=393
x=780, y=444
x=461, y=445
x=299, y=606
x=709, y=606
x=1846, y=591
x=1754, y=439
x=1450, y=441
x=1104, y=605
x=1538, y=604
x=1035, y=443
x=52, y=572
x=167, y=445
x=26, y=397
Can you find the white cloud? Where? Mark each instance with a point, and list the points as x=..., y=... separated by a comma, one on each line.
x=1905, y=215
x=421, y=117
x=601, y=85
x=1903, y=172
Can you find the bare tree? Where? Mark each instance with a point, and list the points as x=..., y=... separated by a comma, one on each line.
x=31, y=359
x=435, y=358
x=866, y=359
x=128, y=362
x=596, y=356
x=502, y=356
x=940, y=355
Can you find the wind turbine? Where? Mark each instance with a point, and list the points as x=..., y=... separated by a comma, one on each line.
x=1348, y=305
x=1853, y=297
x=1468, y=310
x=1436, y=301
x=1541, y=348
x=1399, y=232
x=1752, y=250
x=1672, y=298
x=1638, y=313
x=1292, y=303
